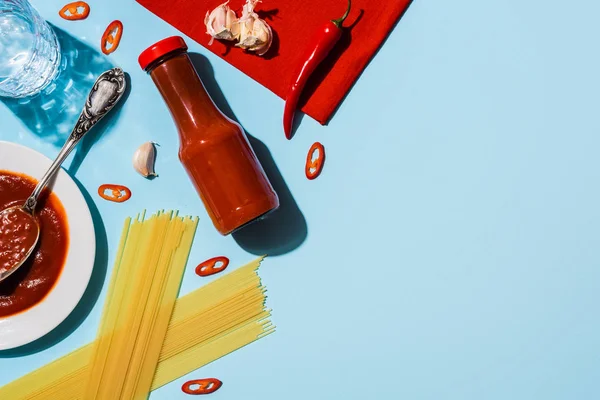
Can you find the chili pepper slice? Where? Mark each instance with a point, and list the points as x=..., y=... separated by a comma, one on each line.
x=315, y=162
x=325, y=40
x=210, y=267
x=111, y=37
x=118, y=193
x=75, y=11
x=205, y=386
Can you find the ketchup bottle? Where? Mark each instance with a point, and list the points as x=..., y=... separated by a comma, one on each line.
x=214, y=149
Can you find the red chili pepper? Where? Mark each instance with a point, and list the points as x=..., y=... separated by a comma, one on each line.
x=314, y=164
x=205, y=386
x=75, y=11
x=111, y=37
x=118, y=193
x=322, y=45
x=209, y=267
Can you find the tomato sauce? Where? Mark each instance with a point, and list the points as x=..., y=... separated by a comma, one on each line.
x=37, y=276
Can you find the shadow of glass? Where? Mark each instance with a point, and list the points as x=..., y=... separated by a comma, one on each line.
x=281, y=231
x=52, y=113
x=89, y=298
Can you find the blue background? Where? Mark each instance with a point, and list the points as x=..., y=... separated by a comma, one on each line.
x=448, y=250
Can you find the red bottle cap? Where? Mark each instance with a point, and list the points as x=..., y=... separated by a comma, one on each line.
x=159, y=49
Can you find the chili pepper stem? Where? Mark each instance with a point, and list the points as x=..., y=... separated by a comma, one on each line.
x=338, y=22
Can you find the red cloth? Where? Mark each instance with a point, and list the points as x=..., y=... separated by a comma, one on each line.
x=294, y=23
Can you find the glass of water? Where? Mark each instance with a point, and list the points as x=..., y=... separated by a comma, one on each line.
x=29, y=50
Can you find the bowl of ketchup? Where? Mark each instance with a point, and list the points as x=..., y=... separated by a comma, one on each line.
x=46, y=289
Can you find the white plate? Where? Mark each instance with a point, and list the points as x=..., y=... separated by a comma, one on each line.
x=34, y=323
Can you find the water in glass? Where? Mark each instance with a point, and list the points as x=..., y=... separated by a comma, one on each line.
x=29, y=50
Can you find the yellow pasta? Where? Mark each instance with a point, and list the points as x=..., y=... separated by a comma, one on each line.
x=206, y=324
x=150, y=352
x=145, y=288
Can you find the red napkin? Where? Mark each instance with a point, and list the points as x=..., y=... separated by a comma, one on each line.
x=294, y=23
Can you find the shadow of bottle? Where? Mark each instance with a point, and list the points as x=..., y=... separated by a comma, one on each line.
x=52, y=113
x=89, y=298
x=281, y=231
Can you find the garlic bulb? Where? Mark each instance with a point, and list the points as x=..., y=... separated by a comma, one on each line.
x=144, y=158
x=222, y=23
x=254, y=33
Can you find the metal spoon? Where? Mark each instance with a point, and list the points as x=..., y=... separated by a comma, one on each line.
x=105, y=94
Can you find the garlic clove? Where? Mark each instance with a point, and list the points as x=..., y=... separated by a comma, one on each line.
x=254, y=33
x=144, y=159
x=222, y=23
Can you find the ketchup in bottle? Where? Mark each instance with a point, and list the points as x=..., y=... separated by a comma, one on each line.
x=213, y=149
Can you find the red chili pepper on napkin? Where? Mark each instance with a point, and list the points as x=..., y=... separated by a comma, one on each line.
x=323, y=43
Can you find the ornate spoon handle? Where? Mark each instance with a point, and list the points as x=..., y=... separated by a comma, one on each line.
x=105, y=94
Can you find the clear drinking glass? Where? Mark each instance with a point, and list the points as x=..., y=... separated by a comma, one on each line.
x=29, y=50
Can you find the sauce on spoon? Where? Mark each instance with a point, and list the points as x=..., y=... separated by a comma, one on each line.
x=18, y=235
